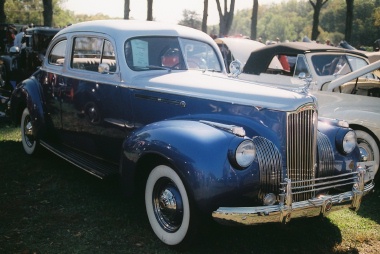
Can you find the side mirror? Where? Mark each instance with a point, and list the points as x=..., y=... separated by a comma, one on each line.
x=235, y=68
x=302, y=75
x=104, y=68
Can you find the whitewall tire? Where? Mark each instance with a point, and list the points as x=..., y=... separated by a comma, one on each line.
x=368, y=147
x=167, y=206
x=29, y=143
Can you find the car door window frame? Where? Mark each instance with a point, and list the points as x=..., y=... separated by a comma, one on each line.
x=95, y=60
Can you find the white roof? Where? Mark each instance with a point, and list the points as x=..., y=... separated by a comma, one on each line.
x=133, y=28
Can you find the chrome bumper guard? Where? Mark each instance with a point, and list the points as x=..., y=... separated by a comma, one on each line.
x=287, y=209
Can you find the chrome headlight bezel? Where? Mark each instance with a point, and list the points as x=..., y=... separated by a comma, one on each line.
x=244, y=154
x=346, y=143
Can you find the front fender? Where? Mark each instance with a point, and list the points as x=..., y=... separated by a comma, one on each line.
x=335, y=133
x=197, y=151
x=29, y=94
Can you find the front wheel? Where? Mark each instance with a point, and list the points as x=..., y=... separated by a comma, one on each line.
x=168, y=207
x=29, y=142
x=368, y=147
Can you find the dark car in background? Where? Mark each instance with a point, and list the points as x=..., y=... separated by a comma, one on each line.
x=152, y=104
x=19, y=63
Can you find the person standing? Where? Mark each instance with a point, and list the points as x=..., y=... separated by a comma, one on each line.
x=11, y=34
x=18, y=39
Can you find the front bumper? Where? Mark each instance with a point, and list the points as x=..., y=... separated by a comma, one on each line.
x=286, y=209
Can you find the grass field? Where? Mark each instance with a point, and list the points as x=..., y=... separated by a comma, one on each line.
x=49, y=206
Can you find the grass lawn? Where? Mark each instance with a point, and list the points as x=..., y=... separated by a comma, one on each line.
x=49, y=206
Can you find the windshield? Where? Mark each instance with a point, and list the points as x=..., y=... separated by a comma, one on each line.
x=152, y=53
x=336, y=64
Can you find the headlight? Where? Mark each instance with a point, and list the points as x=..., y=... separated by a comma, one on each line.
x=245, y=153
x=348, y=143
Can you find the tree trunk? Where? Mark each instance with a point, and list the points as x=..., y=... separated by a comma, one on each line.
x=349, y=19
x=255, y=10
x=317, y=6
x=3, y=18
x=126, y=9
x=205, y=15
x=225, y=18
x=48, y=12
x=150, y=10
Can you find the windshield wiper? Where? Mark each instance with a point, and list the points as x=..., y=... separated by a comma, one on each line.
x=156, y=67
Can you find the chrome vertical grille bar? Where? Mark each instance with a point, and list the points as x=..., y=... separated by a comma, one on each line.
x=301, y=148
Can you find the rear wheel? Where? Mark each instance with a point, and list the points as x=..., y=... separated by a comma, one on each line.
x=29, y=142
x=168, y=207
x=369, y=148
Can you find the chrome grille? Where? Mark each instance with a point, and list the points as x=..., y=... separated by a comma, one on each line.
x=301, y=149
x=269, y=159
x=325, y=156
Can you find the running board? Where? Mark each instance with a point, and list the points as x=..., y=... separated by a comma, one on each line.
x=90, y=164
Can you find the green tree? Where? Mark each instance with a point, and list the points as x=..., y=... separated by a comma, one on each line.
x=225, y=17
x=255, y=11
x=191, y=19
x=205, y=15
x=3, y=17
x=127, y=10
x=317, y=6
x=349, y=19
x=48, y=12
x=150, y=10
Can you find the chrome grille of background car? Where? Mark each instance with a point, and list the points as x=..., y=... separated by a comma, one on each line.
x=301, y=149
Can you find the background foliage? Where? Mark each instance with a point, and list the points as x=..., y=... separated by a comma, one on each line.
x=288, y=20
x=292, y=20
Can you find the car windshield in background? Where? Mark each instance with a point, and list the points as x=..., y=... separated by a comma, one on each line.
x=331, y=64
x=152, y=53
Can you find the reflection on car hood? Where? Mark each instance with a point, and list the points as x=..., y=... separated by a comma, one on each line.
x=221, y=88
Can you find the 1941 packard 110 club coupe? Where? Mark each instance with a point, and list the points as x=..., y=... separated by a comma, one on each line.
x=152, y=103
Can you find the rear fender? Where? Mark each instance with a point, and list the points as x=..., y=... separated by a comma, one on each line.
x=29, y=94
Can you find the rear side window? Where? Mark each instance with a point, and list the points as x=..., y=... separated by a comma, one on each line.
x=93, y=54
x=57, y=54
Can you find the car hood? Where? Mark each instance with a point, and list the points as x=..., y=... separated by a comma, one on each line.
x=361, y=110
x=219, y=87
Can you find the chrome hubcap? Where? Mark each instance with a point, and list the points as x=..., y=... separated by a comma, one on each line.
x=366, y=152
x=28, y=132
x=167, y=205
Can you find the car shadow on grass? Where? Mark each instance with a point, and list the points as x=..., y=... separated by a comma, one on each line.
x=76, y=212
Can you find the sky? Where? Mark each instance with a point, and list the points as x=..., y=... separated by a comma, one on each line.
x=169, y=11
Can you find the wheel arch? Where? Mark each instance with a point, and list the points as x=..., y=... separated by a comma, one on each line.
x=28, y=94
x=184, y=149
x=363, y=128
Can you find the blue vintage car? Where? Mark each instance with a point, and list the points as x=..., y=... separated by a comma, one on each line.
x=152, y=103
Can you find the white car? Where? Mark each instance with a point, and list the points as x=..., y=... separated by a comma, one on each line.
x=310, y=67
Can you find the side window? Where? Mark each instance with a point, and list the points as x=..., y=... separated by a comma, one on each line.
x=282, y=64
x=108, y=56
x=93, y=54
x=301, y=67
x=57, y=54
